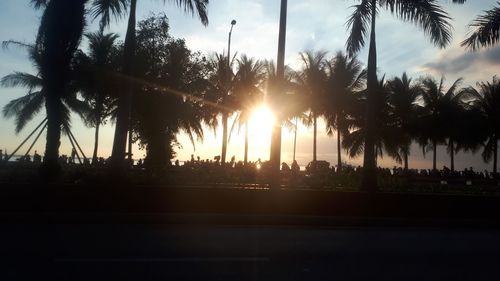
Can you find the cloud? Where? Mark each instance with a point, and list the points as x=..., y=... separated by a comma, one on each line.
x=471, y=65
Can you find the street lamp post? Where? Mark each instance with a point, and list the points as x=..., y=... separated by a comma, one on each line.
x=275, y=157
x=225, y=113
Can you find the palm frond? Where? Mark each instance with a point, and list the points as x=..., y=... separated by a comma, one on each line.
x=24, y=108
x=358, y=24
x=107, y=9
x=22, y=79
x=486, y=30
x=428, y=15
x=192, y=6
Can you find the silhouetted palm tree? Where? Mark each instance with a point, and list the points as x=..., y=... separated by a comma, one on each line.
x=425, y=13
x=388, y=135
x=247, y=91
x=124, y=104
x=487, y=102
x=286, y=93
x=97, y=80
x=59, y=35
x=442, y=108
x=404, y=97
x=312, y=80
x=219, y=92
x=486, y=30
x=25, y=108
x=345, y=77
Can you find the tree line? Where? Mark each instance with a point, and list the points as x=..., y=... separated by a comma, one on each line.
x=155, y=87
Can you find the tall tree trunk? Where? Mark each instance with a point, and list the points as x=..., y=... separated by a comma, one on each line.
x=58, y=37
x=224, y=136
x=129, y=142
x=246, y=143
x=405, y=159
x=124, y=102
x=157, y=155
x=369, y=180
x=315, y=135
x=495, y=152
x=452, y=156
x=53, y=106
x=96, y=144
x=99, y=104
x=339, y=152
x=295, y=138
x=275, y=157
x=434, y=154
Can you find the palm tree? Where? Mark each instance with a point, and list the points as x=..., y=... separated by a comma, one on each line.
x=286, y=93
x=388, y=135
x=25, y=108
x=248, y=95
x=345, y=77
x=97, y=82
x=312, y=80
x=487, y=102
x=486, y=30
x=404, y=102
x=59, y=35
x=442, y=109
x=124, y=103
x=61, y=29
x=219, y=92
x=428, y=15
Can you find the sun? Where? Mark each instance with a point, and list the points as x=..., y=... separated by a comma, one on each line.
x=261, y=124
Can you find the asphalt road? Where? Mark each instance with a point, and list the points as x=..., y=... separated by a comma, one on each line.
x=228, y=252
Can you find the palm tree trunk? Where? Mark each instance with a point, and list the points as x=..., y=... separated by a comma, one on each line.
x=124, y=102
x=275, y=157
x=369, y=180
x=98, y=119
x=405, y=159
x=295, y=138
x=53, y=106
x=434, y=154
x=96, y=143
x=339, y=152
x=246, y=143
x=224, y=137
x=495, y=152
x=452, y=156
x=315, y=136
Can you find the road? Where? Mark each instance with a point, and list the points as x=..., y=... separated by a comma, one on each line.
x=251, y=252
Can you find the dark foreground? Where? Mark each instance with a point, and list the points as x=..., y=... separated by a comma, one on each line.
x=232, y=252
x=71, y=232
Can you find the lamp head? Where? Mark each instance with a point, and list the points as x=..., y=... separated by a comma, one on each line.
x=233, y=22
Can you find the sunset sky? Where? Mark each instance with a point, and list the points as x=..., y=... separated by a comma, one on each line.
x=312, y=25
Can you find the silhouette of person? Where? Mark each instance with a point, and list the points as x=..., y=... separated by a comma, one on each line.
x=295, y=166
x=37, y=158
x=73, y=155
x=285, y=167
x=177, y=163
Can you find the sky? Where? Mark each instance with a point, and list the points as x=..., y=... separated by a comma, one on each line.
x=312, y=25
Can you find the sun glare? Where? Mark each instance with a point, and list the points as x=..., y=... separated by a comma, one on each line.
x=261, y=124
